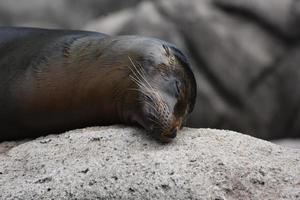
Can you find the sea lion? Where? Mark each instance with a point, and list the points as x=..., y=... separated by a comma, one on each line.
x=56, y=80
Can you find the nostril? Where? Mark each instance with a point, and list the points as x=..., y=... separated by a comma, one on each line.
x=173, y=133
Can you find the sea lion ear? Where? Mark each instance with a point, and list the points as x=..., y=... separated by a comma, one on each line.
x=193, y=94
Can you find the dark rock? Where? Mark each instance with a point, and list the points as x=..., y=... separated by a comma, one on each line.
x=286, y=118
x=57, y=13
x=276, y=15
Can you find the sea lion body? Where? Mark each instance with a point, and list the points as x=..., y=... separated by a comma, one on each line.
x=56, y=80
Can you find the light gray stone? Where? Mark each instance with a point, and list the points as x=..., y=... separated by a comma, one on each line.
x=57, y=13
x=42, y=13
x=144, y=19
x=278, y=15
x=111, y=24
x=289, y=142
x=119, y=162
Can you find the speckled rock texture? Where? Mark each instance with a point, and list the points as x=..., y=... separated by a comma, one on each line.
x=119, y=162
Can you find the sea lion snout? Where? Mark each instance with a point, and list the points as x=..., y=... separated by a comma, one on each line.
x=159, y=126
x=169, y=136
x=173, y=133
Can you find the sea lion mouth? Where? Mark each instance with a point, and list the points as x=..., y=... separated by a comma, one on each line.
x=169, y=135
x=162, y=134
x=162, y=127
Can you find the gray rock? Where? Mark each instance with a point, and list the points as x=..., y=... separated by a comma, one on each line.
x=41, y=13
x=124, y=163
x=111, y=24
x=145, y=20
x=5, y=146
x=57, y=13
x=292, y=143
x=100, y=7
x=286, y=75
x=277, y=15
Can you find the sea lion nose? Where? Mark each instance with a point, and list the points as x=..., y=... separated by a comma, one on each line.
x=173, y=133
x=169, y=136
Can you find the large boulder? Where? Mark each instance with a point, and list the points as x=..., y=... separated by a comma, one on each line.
x=125, y=163
x=57, y=13
x=280, y=17
x=286, y=118
x=40, y=13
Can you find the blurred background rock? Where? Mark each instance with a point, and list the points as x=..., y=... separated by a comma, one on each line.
x=245, y=53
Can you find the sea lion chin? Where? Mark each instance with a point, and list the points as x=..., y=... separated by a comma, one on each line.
x=56, y=80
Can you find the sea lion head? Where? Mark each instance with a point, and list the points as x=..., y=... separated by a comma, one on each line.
x=166, y=87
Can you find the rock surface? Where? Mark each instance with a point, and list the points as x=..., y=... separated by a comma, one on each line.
x=292, y=143
x=124, y=163
x=279, y=16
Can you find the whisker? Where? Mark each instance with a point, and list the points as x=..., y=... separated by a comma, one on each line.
x=136, y=81
x=134, y=73
x=155, y=121
x=152, y=106
x=139, y=72
x=135, y=76
x=142, y=74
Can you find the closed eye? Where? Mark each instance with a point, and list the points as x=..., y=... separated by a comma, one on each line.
x=177, y=89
